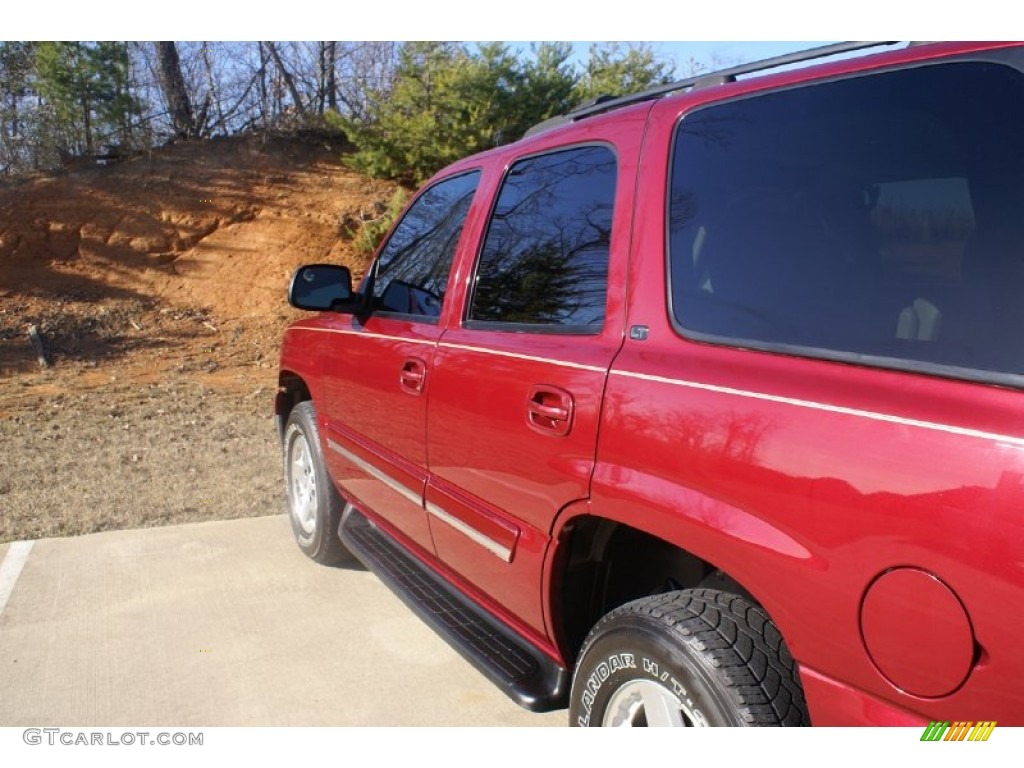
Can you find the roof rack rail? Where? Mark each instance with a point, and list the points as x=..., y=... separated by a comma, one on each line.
x=605, y=104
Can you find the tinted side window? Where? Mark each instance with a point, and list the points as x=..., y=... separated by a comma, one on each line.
x=411, y=272
x=545, y=258
x=877, y=218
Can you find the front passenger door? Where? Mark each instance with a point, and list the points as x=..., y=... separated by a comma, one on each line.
x=376, y=375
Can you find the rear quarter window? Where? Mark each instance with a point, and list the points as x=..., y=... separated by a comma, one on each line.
x=875, y=219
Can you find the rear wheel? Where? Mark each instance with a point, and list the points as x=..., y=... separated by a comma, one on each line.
x=314, y=505
x=692, y=658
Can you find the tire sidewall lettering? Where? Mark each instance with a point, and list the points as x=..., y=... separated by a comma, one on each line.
x=617, y=669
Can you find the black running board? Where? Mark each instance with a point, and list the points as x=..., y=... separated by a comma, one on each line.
x=524, y=674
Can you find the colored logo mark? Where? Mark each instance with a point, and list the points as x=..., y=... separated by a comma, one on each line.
x=958, y=731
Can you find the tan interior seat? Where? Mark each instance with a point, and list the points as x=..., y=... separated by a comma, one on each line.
x=919, y=322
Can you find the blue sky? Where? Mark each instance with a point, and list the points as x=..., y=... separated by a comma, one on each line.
x=708, y=52
x=713, y=55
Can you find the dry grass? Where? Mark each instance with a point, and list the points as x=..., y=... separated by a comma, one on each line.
x=135, y=455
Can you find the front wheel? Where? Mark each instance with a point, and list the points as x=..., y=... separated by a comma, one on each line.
x=698, y=657
x=314, y=505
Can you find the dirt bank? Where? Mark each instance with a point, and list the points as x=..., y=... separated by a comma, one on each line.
x=158, y=287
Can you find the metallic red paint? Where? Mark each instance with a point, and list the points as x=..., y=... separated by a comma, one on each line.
x=802, y=479
x=933, y=651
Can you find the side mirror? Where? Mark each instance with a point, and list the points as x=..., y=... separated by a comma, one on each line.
x=323, y=288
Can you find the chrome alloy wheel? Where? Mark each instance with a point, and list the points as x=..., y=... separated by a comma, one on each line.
x=641, y=703
x=302, y=485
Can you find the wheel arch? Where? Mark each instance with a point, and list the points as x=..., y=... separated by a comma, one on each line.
x=611, y=561
x=291, y=390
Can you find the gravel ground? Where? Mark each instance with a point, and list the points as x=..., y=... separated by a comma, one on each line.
x=135, y=454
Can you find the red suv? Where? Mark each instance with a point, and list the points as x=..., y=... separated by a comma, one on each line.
x=700, y=406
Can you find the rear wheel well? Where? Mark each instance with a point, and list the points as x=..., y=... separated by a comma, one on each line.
x=605, y=564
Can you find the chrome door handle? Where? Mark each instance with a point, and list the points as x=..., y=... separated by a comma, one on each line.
x=550, y=410
x=413, y=376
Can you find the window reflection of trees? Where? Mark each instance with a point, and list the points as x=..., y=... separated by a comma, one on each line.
x=545, y=258
x=422, y=248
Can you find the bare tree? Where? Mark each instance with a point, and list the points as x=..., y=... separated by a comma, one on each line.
x=331, y=85
x=172, y=83
x=365, y=71
x=286, y=77
x=213, y=94
x=327, y=75
x=261, y=75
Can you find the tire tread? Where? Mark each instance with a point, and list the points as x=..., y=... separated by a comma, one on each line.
x=736, y=637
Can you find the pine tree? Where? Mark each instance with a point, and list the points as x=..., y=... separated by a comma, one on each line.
x=86, y=87
x=447, y=102
x=614, y=69
x=16, y=105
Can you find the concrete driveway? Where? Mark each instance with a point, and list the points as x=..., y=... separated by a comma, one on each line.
x=222, y=623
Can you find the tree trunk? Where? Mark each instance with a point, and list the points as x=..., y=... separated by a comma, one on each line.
x=173, y=85
x=321, y=78
x=264, y=100
x=287, y=77
x=211, y=82
x=332, y=85
x=87, y=118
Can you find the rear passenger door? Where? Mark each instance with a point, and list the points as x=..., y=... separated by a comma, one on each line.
x=376, y=377
x=517, y=387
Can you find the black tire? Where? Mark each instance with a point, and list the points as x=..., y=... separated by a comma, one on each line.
x=695, y=657
x=314, y=505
